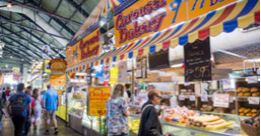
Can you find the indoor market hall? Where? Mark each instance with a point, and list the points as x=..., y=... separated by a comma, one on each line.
x=129, y=67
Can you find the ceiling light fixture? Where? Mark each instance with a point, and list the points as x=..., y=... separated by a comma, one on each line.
x=9, y=5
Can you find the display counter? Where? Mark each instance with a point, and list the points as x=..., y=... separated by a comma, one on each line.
x=76, y=104
x=94, y=125
x=183, y=129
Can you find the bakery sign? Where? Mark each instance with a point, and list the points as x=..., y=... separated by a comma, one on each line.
x=86, y=48
x=145, y=17
x=58, y=65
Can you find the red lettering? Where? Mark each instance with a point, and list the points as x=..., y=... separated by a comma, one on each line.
x=118, y=21
x=123, y=34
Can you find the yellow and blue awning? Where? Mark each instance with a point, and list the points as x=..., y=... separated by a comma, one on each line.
x=226, y=19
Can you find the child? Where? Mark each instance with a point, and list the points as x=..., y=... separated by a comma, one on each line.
x=36, y=109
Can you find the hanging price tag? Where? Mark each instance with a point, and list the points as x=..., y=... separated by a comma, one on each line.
x=252, y=79
x=221, y=100
x=253, y=100
x=204, y=98
x=182, y=97
x=192, y=98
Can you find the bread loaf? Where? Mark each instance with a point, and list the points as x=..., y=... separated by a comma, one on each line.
x=245, y=90
x=242, y=114
x=254, y=110
x=240, y=94
x=247, y=94
x=247, y=111
x=254, y=89
x=239, y=89
x=256, y=94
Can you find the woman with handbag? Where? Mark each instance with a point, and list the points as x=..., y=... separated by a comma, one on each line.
x=117, y=113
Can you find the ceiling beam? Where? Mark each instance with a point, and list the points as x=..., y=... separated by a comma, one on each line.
x=44, y=12
x=78, y=7
x=22, y=26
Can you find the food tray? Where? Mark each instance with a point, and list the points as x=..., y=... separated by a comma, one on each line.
x=216, y=128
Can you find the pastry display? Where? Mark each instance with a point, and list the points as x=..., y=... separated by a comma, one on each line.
x=244, y=91
x=179, y=114
x=187, y=92
x=208, y=122
x=206, y=107
x=247, y=112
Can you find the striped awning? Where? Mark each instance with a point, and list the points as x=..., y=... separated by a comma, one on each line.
x=226, y=19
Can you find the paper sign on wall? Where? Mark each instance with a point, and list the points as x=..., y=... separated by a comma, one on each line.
x=221, y=100
x=181, y=97
x=192, y=98
x=253, y=100
x=204, y=98
x=252, y=79
x=122, y=72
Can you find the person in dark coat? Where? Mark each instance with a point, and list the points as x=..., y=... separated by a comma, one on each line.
x=150, y=124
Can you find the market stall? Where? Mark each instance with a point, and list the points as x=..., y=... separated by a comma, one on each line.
x=203, y=97
x=57, y=78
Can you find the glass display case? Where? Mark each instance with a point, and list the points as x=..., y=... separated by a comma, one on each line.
x=94, y=125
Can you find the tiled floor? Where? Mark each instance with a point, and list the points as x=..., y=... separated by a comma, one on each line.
x=8, y=129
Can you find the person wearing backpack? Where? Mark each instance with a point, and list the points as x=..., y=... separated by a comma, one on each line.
x=17, y=106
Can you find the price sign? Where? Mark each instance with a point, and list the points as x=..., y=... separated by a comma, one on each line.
x=182, y=97
x=192, y=98
x=253, y=100
x=204, y=98
x=186, y=84
x=252, y=79
x=221, y=100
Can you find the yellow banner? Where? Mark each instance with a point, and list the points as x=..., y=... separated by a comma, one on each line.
x=85, y=49
x=201, y=7
x=98, y=97
x=57, y=79
x=47, y=66
x=146, y=17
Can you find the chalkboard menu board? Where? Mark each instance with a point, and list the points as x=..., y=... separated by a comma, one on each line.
x=197, y=61
x=159, y=60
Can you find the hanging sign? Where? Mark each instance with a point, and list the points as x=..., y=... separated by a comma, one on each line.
x=159, y=60
x=221, y=100
x=47, y=66
x=85, y=49
x=253, y=100
x=122, y=72
x=97, y=99
x=114, y=75
x=58, y=65
x=197, y=61
x=57, y=79
x=201, y=7
x=145, y=17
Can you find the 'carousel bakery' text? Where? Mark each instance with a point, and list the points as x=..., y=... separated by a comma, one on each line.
x=138, y=29
x=85, y=45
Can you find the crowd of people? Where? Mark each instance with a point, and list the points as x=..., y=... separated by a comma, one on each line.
x=25, y=106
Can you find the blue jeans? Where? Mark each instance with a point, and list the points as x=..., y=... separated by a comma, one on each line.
x=121, y=135
x=0, y=125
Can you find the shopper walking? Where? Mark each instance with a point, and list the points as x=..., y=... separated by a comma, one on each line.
x=28, y=118
x=150, y=124
x=37, y=109
x=50, y=104
x=117, y=113
x=17, y=109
